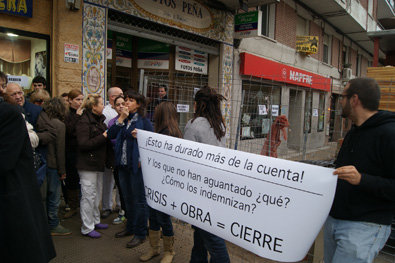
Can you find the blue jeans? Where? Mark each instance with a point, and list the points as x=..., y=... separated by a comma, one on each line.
x=204, y=241
x=53, y=197
x=352, y=241
x=157, y=219
x=132, y=186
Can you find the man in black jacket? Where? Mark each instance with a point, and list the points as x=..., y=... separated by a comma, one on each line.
x=24, y=233
x=359, y=221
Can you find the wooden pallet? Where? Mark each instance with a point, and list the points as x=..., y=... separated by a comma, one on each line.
x=385, y=77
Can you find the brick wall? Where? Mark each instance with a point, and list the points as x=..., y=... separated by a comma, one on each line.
x=66, y=76
x=286, y=20
x=315, y=30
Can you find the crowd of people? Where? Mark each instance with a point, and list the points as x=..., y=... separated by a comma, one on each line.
x=77, y=142
x=81, y=148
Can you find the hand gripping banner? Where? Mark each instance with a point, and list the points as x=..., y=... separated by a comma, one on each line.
x=272, y=207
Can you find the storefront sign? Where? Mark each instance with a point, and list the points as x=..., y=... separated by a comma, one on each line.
x=190, y=60
x=184, y=13
x=152, y=54
x=23, y=81
x=71, y=53
x=272, y=207
x=17, y=7
x=252, y=65
x=307, y=44
x=248, y=24
x=182, y=108
x=123, y=48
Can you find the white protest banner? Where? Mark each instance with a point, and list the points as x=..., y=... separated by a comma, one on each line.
x=272, y=207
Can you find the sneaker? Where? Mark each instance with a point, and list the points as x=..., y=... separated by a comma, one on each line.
x=101, y=226
x=119, y=220
x=93, y=234
x=60, y=231
x=106, y=213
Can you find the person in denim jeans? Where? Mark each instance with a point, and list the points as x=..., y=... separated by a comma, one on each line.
x=207, y=126
x=359, y=222
x=56, y=163
x=127, y=160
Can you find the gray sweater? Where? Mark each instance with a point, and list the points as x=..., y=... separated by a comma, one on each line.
x=200, y=131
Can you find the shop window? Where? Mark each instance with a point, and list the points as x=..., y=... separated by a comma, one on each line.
x=308, y=104
x=302, y=27
x=261, y=105
x=321, y=112
x=327, y=50
x=23, y=57
x=268, y=19
x=358, y=66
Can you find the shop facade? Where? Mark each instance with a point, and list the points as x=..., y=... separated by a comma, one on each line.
x=144, y=45
x=268, y=89
x=136, y=44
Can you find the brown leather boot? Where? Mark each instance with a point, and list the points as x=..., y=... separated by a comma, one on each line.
x=168, y=248
x=154, y=238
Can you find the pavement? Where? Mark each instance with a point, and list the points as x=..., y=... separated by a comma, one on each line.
x=77, y=248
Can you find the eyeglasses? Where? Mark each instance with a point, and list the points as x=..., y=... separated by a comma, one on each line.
x=344, y=96
x=38, y=101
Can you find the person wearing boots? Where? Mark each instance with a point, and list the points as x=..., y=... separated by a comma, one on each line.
x=165, y=118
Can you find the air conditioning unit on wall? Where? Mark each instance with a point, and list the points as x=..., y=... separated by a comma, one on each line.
x=347, y=72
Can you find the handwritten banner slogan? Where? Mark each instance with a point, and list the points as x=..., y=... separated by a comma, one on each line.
x=274, y=208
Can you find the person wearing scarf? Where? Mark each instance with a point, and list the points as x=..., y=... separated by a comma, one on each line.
x=127, y=160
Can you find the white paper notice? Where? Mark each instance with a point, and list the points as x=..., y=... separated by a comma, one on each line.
x=275, y=109
x=315, y=112
x=71, y=53
x=182, y=108
x=262, y=109
x=272, y=207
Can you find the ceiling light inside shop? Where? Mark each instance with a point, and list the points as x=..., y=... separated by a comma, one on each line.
x=12, y=35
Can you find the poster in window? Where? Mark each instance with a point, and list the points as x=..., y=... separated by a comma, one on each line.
x=40, y=64
x=262, y=109
x=275, y=109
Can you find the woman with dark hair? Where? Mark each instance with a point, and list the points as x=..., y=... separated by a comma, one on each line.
x=56, y=163
x=72, y=189
x=127, y=159
x=92, y=145
x=165, y=119
x=207, y=126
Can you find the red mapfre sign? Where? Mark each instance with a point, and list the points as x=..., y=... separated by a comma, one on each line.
x=263, y=68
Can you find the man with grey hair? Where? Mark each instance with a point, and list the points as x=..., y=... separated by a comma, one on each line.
x=108, y=179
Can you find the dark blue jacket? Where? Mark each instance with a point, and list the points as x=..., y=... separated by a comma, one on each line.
x=31, y=112
x=120, y=133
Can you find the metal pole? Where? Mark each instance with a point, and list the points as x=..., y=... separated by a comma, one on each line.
x=239, y=121
x=141, y=82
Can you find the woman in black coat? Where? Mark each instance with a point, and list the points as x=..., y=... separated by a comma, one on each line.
x=92, y=145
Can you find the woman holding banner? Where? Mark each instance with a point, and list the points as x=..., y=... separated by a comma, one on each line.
x=207, y=126
x=165, y=119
